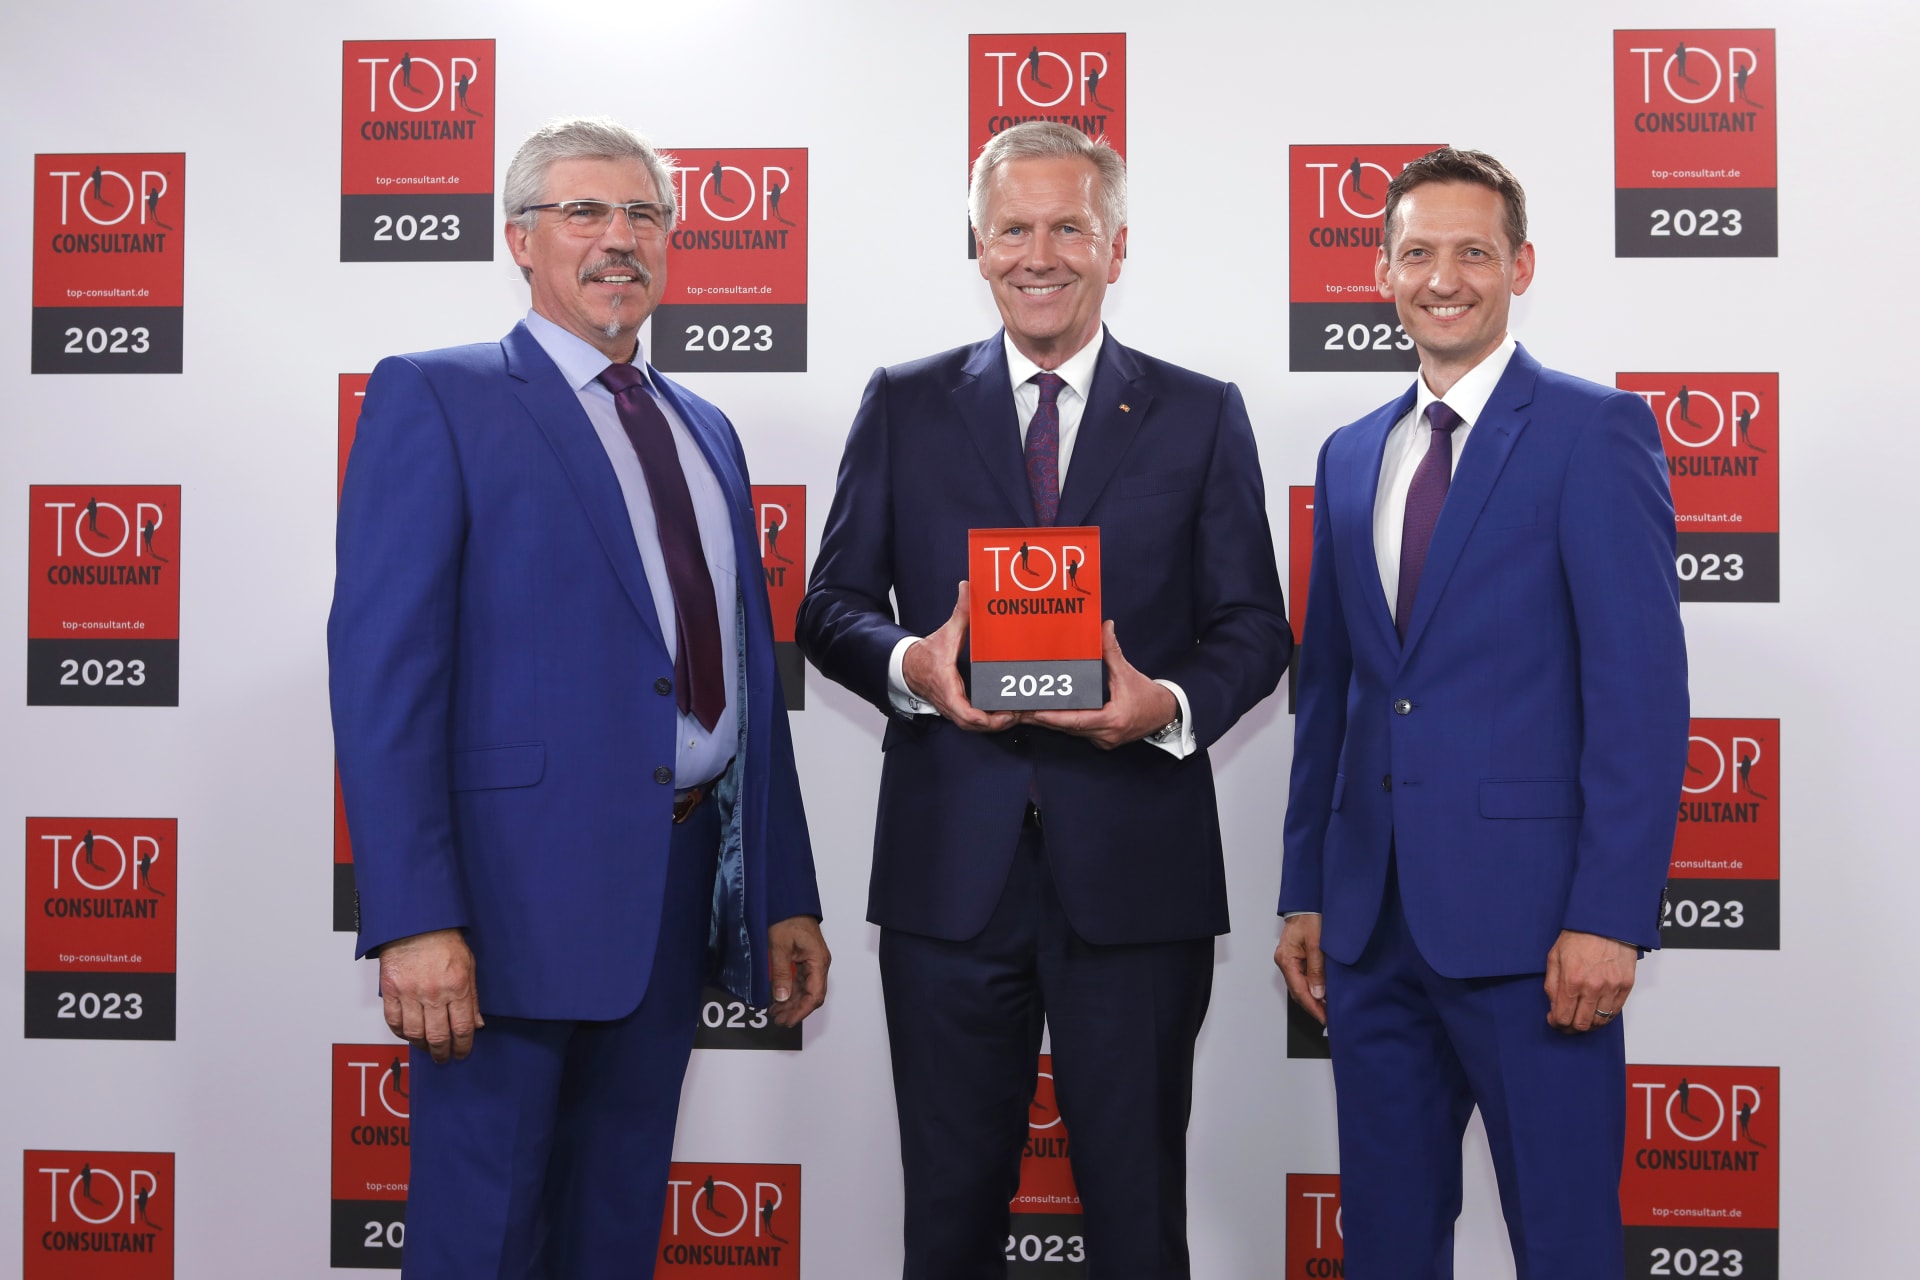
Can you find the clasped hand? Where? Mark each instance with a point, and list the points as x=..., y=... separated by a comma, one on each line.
x=1135, y=707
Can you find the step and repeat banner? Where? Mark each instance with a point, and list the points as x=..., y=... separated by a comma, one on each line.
x=200, y=1081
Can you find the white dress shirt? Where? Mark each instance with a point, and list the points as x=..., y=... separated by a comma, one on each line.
x=1077, y=372
x=699, y=754
x=1407, y=446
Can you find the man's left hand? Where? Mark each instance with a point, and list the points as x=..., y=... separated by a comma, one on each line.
x=1588, y=975
x=797, y=964
x=1136, y=706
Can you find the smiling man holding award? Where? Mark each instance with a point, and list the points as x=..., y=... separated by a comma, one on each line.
x=1035, y=867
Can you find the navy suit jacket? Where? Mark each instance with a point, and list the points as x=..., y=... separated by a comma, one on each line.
x=502, y=694
x=1522, y=752
x=1165, y=465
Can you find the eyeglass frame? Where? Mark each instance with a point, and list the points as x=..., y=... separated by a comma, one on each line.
x=665, y=212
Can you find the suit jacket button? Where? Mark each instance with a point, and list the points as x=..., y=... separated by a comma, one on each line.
x=663, y=686
x=663, y=775
x=1402, y=707
x=1386, y=782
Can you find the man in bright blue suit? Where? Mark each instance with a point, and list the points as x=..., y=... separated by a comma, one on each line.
x=1491, y=733
x=565, y=755
x=1060, y=867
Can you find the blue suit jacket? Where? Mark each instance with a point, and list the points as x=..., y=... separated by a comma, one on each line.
x=1165, y=465
x=504, y=743
x=1523, y=751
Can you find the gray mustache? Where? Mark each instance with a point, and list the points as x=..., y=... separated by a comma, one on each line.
x=618, y=262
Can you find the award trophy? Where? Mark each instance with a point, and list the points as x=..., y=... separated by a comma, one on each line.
x=1034, y=627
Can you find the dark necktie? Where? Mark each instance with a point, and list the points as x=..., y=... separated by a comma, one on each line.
x=1425, y=497
x=699, y=685
x=1043, y=449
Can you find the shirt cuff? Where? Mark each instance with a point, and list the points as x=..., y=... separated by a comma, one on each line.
x=1181, y=745
x=902, y=697
x=1288, y=915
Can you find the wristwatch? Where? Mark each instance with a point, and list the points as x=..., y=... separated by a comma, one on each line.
x=1168, y=733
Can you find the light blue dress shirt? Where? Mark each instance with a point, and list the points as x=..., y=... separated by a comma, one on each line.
x=699, y=754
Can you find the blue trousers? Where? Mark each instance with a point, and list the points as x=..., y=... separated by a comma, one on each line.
x=544, y=1154
x=1413, y=1053
x=964, y=1023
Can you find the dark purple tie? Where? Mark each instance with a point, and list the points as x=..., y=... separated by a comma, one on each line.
x=699, y=685
x=1425, y=497
x=1043, y=449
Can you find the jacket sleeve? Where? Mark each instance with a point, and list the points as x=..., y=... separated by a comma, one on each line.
x=1320, y=718
x=390, y=648
x=1243, y=640
x=847, y=627
x=1617, y=550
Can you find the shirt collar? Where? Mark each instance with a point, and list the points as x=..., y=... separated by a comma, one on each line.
x=1076, y=371
x=1468, y=397
x=580, y=362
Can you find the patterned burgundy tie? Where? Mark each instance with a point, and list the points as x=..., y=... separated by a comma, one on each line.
x=1425, y=497
x=699, y=685
x=1043, y=449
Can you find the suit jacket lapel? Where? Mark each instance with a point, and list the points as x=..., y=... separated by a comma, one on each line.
x=984, y=399
x=552, y=404
x=1106, y=430
x=1369, y=450
x=1488, y=447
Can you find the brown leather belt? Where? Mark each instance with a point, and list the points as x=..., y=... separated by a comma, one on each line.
x=685, y=802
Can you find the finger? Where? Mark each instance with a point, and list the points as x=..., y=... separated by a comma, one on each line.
x=1317, y=972
x=962, y=606
x=413, y=1021
x=461, y=1015
x=780, y=973
x=439, y=1035
x=390, y=1009
x=1110, y=646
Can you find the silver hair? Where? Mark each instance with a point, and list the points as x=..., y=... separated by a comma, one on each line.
x=578, y=138
x=1045, y=140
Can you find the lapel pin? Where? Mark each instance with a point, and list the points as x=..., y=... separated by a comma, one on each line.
x=1126, y=408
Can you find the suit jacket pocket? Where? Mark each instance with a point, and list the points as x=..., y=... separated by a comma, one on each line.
x=1531, y=798
x=520, y=764
x=1172, y=480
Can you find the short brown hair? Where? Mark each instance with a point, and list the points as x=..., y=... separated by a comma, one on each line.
x=1450, y=164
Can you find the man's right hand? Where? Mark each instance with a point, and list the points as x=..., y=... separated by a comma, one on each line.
x=427, y=991
x=1299, y=958
x=931, y=668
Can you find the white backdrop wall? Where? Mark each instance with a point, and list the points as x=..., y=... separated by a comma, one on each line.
x=877, y=93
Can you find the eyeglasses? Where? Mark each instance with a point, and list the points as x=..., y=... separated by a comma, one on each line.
x=590, y=218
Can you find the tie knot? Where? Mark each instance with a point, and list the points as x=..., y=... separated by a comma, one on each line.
x=1049, y=384
x=1441, y=417
x=622, y=377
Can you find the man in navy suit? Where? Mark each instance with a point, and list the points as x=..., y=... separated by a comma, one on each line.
x=1491, y=734
x=564, y=751
x=1048, y=867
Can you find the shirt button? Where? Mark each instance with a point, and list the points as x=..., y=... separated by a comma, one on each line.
x=1402, y=707
x=1386, y=782
x=663, y=775
x=663, y=686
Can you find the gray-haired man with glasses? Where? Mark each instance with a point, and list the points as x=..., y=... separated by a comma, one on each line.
x=564, y=751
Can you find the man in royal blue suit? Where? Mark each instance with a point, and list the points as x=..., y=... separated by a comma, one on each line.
x=1491, y=734
x=1062, y=867
x=565, y=755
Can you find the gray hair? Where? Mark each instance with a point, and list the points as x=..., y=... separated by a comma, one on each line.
x=578, y=138
x=1045, y=140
